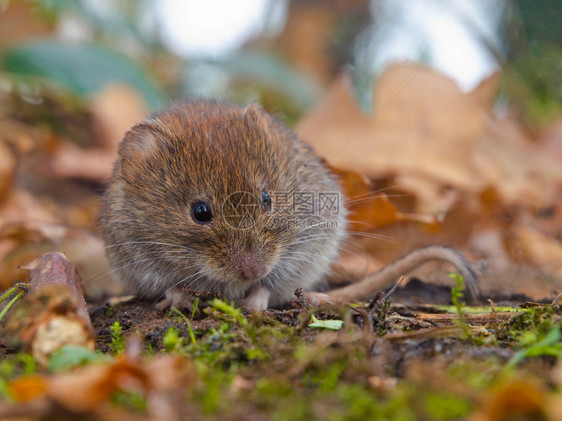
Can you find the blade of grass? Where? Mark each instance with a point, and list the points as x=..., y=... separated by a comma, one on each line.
x=19, y=286
x=195, y=305
x=10, y=304
x=191, y=334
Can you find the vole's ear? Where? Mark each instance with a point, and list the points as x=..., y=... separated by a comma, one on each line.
x=255, y=116
x=140, y=141
x=138, y=145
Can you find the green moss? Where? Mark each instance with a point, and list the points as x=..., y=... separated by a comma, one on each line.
x=327, y=379
x=132, y=400
x=295, y=375
x=172, y=340
x=445, y=406
x=476, y=374
x=20, y=364
x=532, y=324
x=117, y=344
x=212, y=394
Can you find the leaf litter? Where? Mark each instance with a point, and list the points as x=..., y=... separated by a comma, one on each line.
x=473, y=181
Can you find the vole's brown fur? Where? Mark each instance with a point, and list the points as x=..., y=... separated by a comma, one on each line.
x=253, y=252
x=204, y=151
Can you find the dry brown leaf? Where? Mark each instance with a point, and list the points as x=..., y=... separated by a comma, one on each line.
x=484, y=94
x=21, y=136
x=115, y=109
x=27, y=388
x=424, y=128
x=544, y=251
x=22, y=242
x=432, y=198
x=71, y=161
x=370, y=209
x=476, y=174
x=521, y=171
x=53, y=313
x=423, y=125
x=513, y=400
x=21, y=206
x=163, y=380
x=84, y=389
x=354, y=184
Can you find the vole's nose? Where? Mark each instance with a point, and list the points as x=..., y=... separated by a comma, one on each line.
x=249, y=265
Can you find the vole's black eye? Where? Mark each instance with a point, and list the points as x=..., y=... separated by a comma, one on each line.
x=201, y=212
x=266, y=201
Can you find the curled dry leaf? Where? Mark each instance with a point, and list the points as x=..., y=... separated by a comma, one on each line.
x=369, y=210
x=372, y=208
x=540, y=248
x=27, y=388
x=162, y=380
x=83, y=390
x=423, y=126
x=115, y=109
x=515, y=400
x=53, y=313
x=472, y=178
x=21, y=242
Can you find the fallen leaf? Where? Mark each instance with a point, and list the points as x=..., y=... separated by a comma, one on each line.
x=512, y=400
x=423, y=127
x=21, y=242
x=53, y=313
x=542, y=250
x=115, y=109
x=325, y=324
x=85, y=389
x=421, y=124
x=27, y=388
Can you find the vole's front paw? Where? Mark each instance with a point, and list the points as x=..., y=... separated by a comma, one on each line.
x=180, y=300
x=257, y=299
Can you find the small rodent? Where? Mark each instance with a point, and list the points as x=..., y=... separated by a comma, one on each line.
x=215, y=197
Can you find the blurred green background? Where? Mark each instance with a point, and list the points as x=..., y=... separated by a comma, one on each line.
x=283, y=54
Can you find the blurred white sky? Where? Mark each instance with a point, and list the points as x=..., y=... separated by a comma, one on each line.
x=444, y=34
x=447, y=35
x=215, y=27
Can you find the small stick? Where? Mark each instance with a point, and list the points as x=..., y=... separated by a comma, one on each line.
x=475, y=318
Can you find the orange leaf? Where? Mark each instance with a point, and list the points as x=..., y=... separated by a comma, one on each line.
x=26, y=388
x=514, y=400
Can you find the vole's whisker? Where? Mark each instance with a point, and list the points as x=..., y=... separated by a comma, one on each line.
x=370, y=235
x=158, y=243
x=378, y=191
x=373, y=197
x=119, y=264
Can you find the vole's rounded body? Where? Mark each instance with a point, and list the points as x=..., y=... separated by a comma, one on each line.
x=221, y=198
x=225, y=199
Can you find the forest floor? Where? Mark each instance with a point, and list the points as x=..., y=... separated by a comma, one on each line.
x=384, y=360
